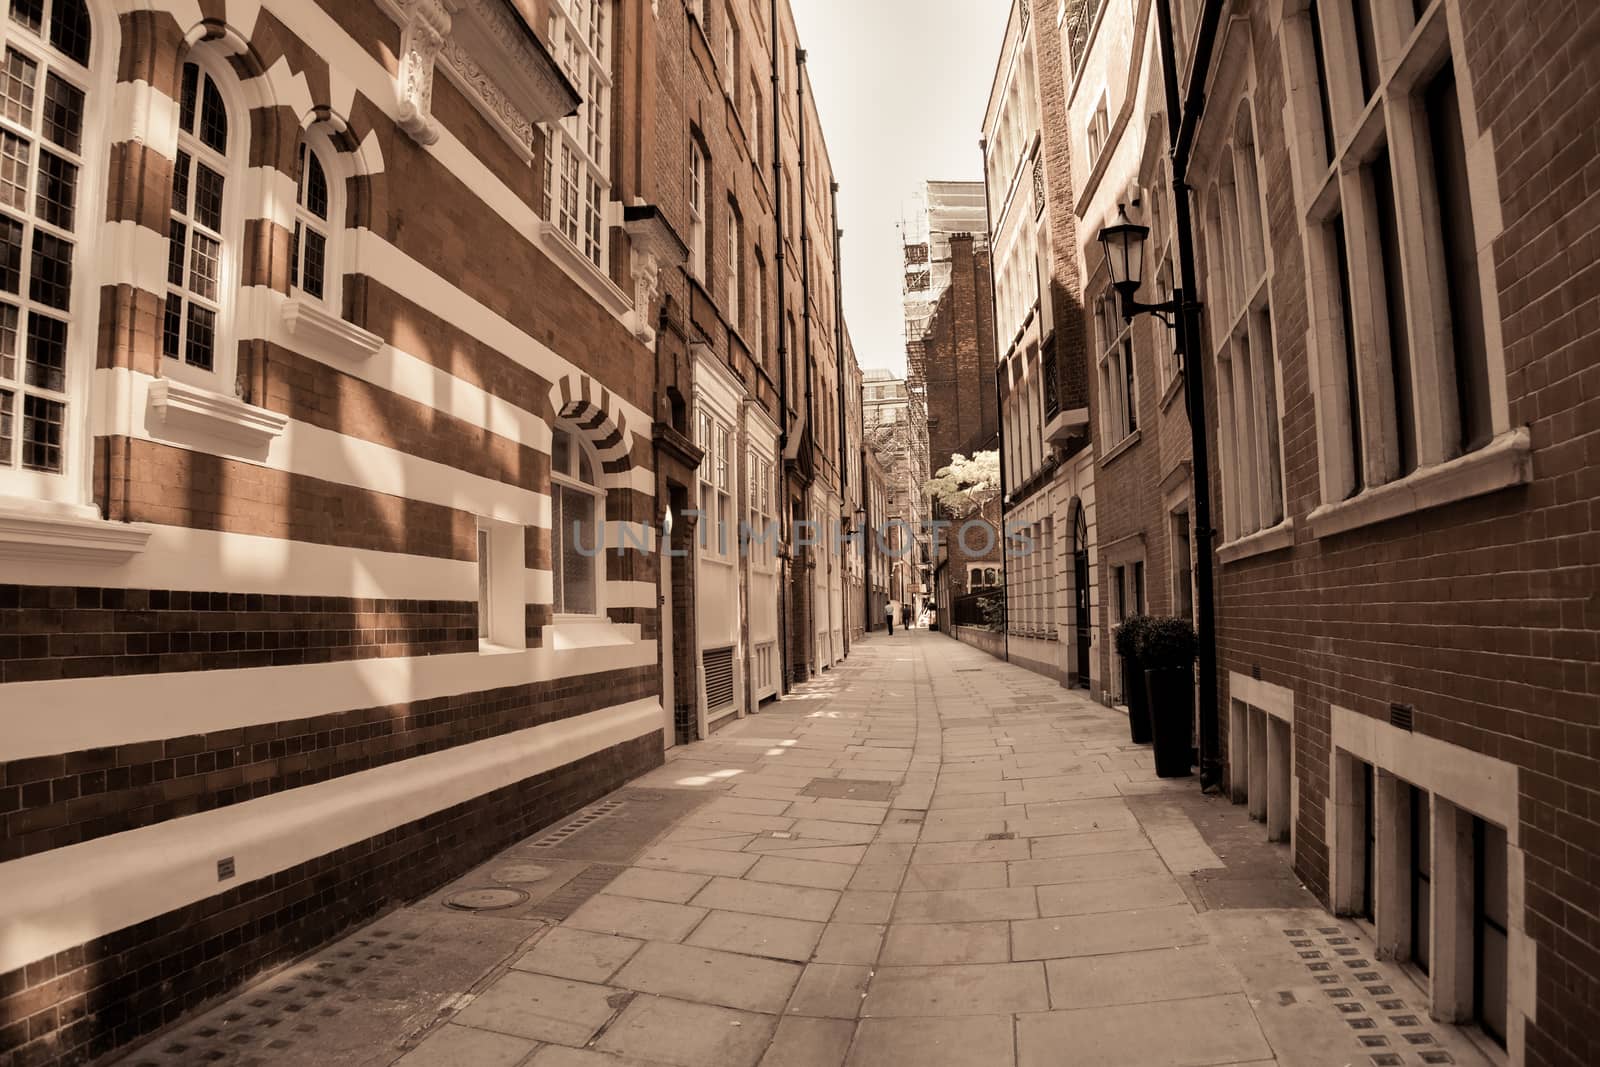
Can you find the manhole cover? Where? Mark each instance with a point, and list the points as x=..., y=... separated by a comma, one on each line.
x=485, y=899
x=522, y=872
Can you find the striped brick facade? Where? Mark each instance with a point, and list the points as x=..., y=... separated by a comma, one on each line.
x=244, y=620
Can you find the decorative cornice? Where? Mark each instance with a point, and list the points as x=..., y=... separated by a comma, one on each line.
x=178, y=405
x=425, y=25
x=326, y=333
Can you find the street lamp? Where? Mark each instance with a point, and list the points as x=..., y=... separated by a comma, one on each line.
x=1123, y=244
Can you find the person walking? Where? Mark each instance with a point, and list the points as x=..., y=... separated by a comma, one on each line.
x=888, y=615
x=905, y=616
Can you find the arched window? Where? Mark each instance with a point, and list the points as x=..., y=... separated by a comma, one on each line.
x=199, y=256
x=44, y=96
x=577, y=510
x=318, y=214
x=991, y=576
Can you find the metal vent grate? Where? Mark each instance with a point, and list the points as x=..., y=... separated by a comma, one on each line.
x=1402, y=716
x=718, y=664
x=599, y=811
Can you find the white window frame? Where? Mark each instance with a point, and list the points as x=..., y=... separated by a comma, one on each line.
x=502, y=589
x=718, y=535
x=1119, y=387
x=730, y=51
x=697, y=210
x=735, y=308
x=233, y=165
x=577, y=176
x=1408, y=52
x=1098, y=131
x=579, y=451
x=316, y=143
x=71, y=485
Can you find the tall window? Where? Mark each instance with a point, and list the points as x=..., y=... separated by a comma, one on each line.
x=1182, y=552
x=757, y=119
x=735, y=266
x=1241, y=325
x=577, y=508
x=730, y=51
x=697, y=210
x=577, y=172
x=1099, y=131
x=760, y=516
x=1398, y=288
x=759, y=342
x=1119, y=408
x=42, y=100
x=718, y=537
x=316, y=211
x=198, y=251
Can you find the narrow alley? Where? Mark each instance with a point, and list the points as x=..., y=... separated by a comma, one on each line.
x=926, y=857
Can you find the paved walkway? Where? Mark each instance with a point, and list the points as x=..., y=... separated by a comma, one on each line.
x=925, y=858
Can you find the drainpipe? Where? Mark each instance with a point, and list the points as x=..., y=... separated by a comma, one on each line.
x=1000, y=415
x=838, y=341
x=1182, y=116
x=779, y=262
x=805, y=304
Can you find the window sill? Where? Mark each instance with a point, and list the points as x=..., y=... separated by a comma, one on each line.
x=61, y=533
x=180, y=406
x=581, y=269
x=1123, y=446
x=1504, y=462
x=1272, y=539
x=586, y=633
x=325, y=333
x=490, y=648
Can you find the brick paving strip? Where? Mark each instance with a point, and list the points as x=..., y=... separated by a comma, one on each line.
x=925, y=857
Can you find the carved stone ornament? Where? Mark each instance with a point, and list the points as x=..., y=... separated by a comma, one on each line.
x=427, y=25
x=646, y=284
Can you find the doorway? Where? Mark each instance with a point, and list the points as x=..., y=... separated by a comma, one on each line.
x=1080, y=581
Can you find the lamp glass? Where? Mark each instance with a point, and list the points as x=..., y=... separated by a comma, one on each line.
x=1123, y=242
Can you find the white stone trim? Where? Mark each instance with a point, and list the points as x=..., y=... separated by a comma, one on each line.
x=56, y=900
x=1272, y=539
x=1463, y=780
x=182, y=409
x=34, y=531
x=581, y=269
x=1503, y=462
x=321, y=331
x=48, y=717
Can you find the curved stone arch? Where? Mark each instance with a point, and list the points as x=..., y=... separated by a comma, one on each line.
x=597, y=414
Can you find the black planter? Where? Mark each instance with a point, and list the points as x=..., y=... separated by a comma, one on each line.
x=1171, y=694
x=1133, y=680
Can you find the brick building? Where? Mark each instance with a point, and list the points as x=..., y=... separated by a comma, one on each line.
x=309, y=498
x=1141, y=434
x=1391, y=233
x=1048, y=469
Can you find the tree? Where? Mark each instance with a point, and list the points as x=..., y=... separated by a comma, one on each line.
x=966, y=485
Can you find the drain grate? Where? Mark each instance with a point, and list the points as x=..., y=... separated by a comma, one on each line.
x=590, y=815
x=564, y=901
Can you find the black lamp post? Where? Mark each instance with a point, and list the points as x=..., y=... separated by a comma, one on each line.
x=1123, y=244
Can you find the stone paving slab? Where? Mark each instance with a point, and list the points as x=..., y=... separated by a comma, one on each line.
x=983, y=1041
x=730, y=979
x=568, y=952
x=686, y=1034
x=1173, y=1033
x=963, y=989
x=541, y=1008
x=758, y=935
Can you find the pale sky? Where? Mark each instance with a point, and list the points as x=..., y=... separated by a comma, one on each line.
x=901, y=86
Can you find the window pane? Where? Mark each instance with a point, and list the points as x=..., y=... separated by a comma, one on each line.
x=200, y=350
x=180, y=183
x=51, y=274
x=577, y=567
x=315, y=258
x=561, y=452
x=8, y=342
x=171, y=325
x=16, y=91
x=1382, y=179
x=47, y=353
x=58, y=190
x=69, y=28
x=316, y=187
x=557, y=523
x=213, y=131
x=7, y=400
x=205, y=261
x=207, y=197
x=29, y=13
x=585, y=468
x=14, y=171
x=41, y=434
x=187, y=96
x=294, y=256
x=63, y=113
x=177, y=237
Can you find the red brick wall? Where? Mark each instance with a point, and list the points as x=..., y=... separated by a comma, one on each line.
x=1482, y=614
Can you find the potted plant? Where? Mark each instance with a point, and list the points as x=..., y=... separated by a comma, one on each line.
x=1166, y=652
x=1126, y=640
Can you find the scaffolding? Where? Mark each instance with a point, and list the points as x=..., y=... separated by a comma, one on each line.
x=940, y=210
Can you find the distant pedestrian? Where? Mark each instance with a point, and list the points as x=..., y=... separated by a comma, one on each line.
x=905, y=616
x=888, y=616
